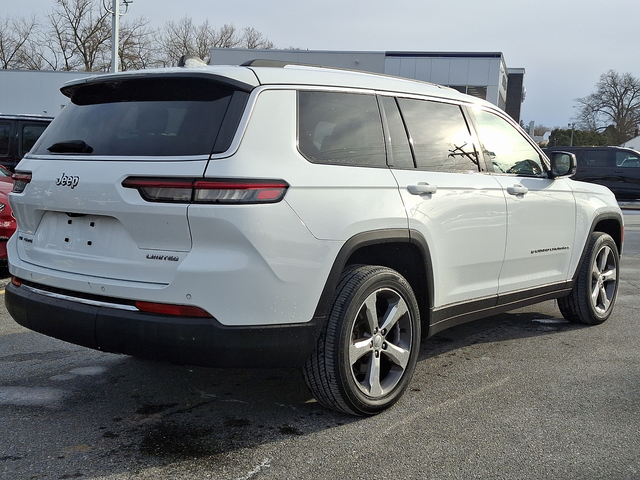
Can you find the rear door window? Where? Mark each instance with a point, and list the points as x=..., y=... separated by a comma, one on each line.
x=440, y=136
x=30, y=134
x=340, y=129
x=161, y=116
x=5, y=139
x=596, y=158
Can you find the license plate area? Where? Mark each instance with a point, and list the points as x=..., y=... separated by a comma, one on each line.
x=95, y=245
x=81, y=231
x=91, y=235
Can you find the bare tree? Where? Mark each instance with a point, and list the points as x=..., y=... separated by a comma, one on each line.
x=182, y=37
x=137, y=49
x=14, y=35
x=614, y=107
x=186, y=38
x=226, y=37
x=82, y=30
x=48, y=49
x=253, y=39
x=76, y=35
x=204, y=36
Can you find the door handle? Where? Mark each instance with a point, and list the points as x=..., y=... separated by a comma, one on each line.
x=422, y=188
x=517, y=189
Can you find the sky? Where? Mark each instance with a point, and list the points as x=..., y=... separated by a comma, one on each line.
x=563, y=45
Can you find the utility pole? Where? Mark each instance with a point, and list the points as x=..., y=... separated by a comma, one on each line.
x=114, y=10
x=572, y=125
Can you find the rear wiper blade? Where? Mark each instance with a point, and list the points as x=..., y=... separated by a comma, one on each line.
x=70, y=146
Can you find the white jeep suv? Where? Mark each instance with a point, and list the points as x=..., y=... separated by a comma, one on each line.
x=277, y=215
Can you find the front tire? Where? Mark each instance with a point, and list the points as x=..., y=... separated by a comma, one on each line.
x=367, y=353
x=594, y=293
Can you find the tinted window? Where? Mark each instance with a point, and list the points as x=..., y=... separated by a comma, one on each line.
x=440, y=136
x=595, y=158
x=340, y=128
x=148, y=117
x=5, y=137
x=505, y=147
x=627, y=159
x=30, y=133
x=400, y=151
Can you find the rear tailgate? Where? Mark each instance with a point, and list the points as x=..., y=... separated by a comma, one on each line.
x=76, y=217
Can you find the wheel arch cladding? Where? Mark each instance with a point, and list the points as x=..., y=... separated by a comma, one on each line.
x=611, y=225
x=401, y=250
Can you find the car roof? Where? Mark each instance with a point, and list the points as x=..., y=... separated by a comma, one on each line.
x=25, y=116
x=297, y=74
x=254, y=74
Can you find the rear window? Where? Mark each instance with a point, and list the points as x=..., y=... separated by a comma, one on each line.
x=159, y=116
x=340, y=129
x=5, y=138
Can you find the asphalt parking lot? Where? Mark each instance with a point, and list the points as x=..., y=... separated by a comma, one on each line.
x=523, y=395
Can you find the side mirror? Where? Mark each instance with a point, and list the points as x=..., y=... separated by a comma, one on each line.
x=563, y=164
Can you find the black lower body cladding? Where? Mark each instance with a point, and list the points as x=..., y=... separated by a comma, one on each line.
x=183, y=340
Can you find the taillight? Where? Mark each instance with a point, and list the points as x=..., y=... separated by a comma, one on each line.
x=162, y=190
x=170, y=309
x=20, y=181
x=208, y=191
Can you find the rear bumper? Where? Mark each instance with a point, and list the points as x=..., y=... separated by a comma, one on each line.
x=183, y=340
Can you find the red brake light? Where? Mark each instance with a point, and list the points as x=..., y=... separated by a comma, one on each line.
x=169, y=309
x=20, y=181
x=162, y=190
x=208, y=191
x=239, y=191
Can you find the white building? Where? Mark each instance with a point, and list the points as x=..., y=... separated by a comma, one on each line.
x=34, y=91
x=633, y=143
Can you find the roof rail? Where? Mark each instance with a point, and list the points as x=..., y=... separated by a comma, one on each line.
x=262, y=62
x=265, y=62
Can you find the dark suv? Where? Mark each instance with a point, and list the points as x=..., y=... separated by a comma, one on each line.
x=18, y=133
x=614, y=167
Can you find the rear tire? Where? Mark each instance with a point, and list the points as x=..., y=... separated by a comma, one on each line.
x=594, y=293
x=367, y=353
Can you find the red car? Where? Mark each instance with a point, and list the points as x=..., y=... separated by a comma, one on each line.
x=7, y=221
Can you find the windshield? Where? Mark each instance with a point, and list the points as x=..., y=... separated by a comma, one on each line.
x=160, y=116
